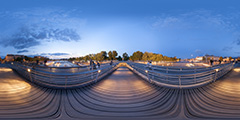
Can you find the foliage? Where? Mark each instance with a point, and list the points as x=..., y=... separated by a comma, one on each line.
x=18, y=59
x=230, y=58
x=114, y=54
x=119, y=58
x=221, y=58
x=146, y=56
x=136, y=56
x=125, y=56
x=110, y=55
x=204, y=58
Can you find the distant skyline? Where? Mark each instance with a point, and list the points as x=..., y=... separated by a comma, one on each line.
x=64, y=28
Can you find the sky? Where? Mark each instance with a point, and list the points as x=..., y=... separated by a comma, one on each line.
x=72, y=28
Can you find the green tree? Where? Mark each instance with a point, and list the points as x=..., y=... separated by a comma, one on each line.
x=18, y=59
x=238, y=58
x=203, y=58
x=145, y=56
x=104, y=54
x=110, y=55
x=86, y=58
x=230, y=58
x=137, y=55
x=125, y=56
x=99, y=57
x=114, y=54
x=119, y=58
x=221, y=58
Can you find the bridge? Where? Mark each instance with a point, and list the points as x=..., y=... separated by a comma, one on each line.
x=120, y=91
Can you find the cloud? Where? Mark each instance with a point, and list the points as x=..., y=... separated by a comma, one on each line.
x=237, y=53
x=53, y=54
x=195, y=20
x=238, y=41
x=227, y=48
x=22, y=51
x=58, y=54
x=30, y=36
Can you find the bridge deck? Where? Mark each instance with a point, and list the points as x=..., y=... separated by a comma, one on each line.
x=122, y=95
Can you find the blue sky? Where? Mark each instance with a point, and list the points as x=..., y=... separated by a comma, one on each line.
x=64, y=28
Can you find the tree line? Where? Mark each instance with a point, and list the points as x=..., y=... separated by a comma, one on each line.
x=101, y=56
x=113, y=55
x=146, y=56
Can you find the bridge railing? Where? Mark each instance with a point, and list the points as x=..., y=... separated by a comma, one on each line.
x=180, y=77
x=62, y=80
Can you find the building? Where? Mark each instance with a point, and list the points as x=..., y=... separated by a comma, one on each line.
x=212, y=57
x=11, y=57
x=40, y=57
x=199, y=58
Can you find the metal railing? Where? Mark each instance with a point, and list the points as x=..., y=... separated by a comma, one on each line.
x=62, y=80
x=180, y=77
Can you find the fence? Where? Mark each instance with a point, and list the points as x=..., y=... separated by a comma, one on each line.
x=62, y=80
x=180, y=77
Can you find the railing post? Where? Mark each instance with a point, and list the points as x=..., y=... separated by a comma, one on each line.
x=215, y=78
x=66, y=82
x=148, y=75
x=29, y=72
x=98, y=72
x=179, y=80
x=195, y=75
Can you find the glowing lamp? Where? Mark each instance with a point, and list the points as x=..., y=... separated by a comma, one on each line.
x=29, y=70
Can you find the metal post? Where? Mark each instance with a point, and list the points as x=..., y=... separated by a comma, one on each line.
x=148, y=75
x=97, y=77
x=195, y=79
x=30, y=76
x=195, y=75
x=29, y=72
x=66, y=82
x=215, y=76
x=179, y=80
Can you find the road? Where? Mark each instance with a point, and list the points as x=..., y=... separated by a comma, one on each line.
x=122, y=95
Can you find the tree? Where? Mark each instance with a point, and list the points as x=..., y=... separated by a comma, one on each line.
x=18, y=59
x=114, y=54
x=119, y=58
x=203, y=58
x=145, y=56
x=230, y=58
x=99, y=56
x=125, y=56
x=137, y=55
x=221, y=58
x=110, y=55
x=104, y=54
x=86, y=58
